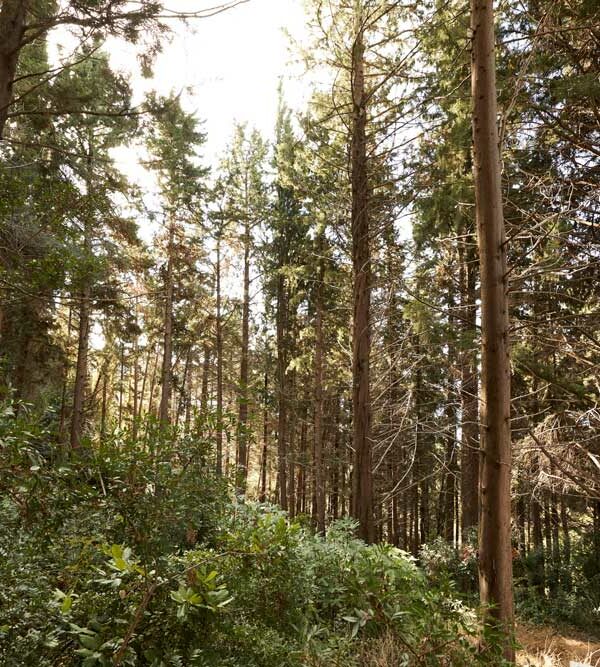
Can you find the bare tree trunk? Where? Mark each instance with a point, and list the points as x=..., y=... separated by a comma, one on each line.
x=12, y=28
x=185, y=397
x=242, y=430
x=336, y=464
x=81, y=368
x=469, y=447
x=136, y=384
x=219, y=352
x=319, y=479
x=262, y=496
x=564, y=521
x=167, y=373
x=205, y=373
x=143, y=389
x=104, y=403
x=153, y=382
x=495, y=551
x=282, y=453
x=121, y=383
x=63, y=399
x=362, y=492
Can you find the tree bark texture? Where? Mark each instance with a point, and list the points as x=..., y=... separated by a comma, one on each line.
x=495, y=552
x=362, y=496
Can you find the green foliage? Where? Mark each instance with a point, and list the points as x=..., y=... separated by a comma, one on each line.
x=571, y=594
x=129, y=554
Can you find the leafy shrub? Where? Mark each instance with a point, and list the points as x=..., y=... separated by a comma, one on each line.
x=130, y=553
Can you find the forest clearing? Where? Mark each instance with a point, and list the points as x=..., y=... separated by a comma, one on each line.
x=299, y=333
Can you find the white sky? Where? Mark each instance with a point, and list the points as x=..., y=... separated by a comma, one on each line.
x=227, y=65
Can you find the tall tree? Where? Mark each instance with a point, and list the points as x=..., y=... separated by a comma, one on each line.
x=495, y=551
x=173, y=141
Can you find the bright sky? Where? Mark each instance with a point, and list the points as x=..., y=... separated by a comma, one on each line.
x=231, y=63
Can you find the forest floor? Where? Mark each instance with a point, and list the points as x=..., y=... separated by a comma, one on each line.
x=545, y=646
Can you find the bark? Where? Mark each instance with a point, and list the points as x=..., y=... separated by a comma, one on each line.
x=539, y=576
x=282, y=453
x=103, y=408
x=262, y=496
x=121, y=384
x=143, y=387
x=167, y=372
x=205, y=374
x=65, y=382
x=136, y=384
x=153, y=383
x=242, y=431
x=564, y=522
x=292, y=443
x=469, y=456
x=362, y=479
x=337, y=464
x=495, y=551
x=219, y=353
x=81, y=365
x=12, y=28
x=185, y=397
x=81, y=369
x=319, y=479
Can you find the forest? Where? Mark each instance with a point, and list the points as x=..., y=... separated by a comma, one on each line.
x=329, y=396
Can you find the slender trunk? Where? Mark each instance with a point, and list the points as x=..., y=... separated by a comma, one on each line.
x=12, y=29
x=104, y=403
x=539, y=570
x=564, y=522
x=319, y=480
x=153, y=383
x=167, y=372
x=242, y=432
x=219, y=352
x=291, y=441
x=185, y=390
x=136, y=383
x=362, y=496
x=282, y=453
x=262, y=496
x=143, y=388
x=63, y=399
x=81, y=366
x=121, y=383
x=495, y=551
x=336, y=467
x=469, y=447
x=205, y=374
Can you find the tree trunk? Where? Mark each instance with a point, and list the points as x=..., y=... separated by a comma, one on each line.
x=65, y=382
x=469, y=446
x=12, y=29
x=81, y=365
x=281, y=390
x=81, y=369
x=205, y=373
x=219, y=352
x=319, y=480
x=242, y=430
x=362, y=492
x=564, y=522
x=167, y=373
x=262, y=496
x=495, y=551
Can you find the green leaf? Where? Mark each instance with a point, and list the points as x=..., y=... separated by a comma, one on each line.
x=90, y=642
x=66, y=605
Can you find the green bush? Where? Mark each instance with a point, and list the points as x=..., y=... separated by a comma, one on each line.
x=131, y=553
